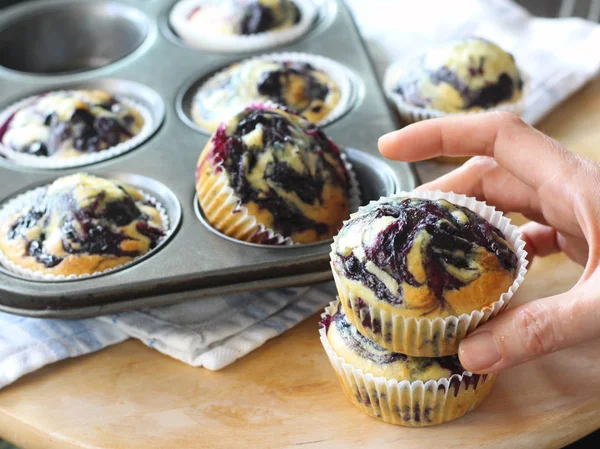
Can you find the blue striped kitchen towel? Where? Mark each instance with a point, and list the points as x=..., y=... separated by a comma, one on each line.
x=210, y=333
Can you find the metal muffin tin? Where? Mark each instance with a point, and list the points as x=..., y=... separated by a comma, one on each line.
x=127, y=47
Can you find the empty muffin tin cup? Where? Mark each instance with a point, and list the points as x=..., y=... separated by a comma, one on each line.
x=426, y=337
x=136, y=96
x=406, y=403
x=412, y=114
x=157, y=193
x=69, y=36
x=194, y=36
x=241, y=221
x=348, y=84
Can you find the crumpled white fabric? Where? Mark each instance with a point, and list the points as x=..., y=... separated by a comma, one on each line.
x=559, y=55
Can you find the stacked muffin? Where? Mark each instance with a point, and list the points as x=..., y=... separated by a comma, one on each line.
x=415, y=273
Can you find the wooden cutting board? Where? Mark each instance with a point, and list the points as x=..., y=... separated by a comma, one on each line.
x=286, y=395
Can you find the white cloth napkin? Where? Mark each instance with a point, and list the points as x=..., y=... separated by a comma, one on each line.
x=211, y=332
x=558, y=55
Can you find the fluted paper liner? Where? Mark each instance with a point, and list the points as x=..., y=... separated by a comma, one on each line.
x=432, y=337
x=406, y=403
x=179, y=20
x=54, y=163
x=228, y=216
x=411, y=113
x=18, y=203
x=342, y=77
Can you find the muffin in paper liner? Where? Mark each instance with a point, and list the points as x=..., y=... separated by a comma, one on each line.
x=234, y=43
x=225, y=213
x=420, y=336
x=54, y=163
x=17, y=204
x=337, y=73
x=464, y=64
x=404, y=402
x=222, y=206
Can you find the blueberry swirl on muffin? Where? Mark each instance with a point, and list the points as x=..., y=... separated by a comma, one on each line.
x=280, y=170
x=298, y=86
x=362, y=353
x=422, y=257
x=68, y=124
x=467, y=75
x=396, y=388
x=245, y=17
x=82, y=224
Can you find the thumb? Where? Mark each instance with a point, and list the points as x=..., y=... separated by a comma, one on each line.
x=531, y=330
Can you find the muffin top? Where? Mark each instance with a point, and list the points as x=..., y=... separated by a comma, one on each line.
x=70, y=123
x=423, y=257
x=469, y=74
x=298, y=86
x=244, y=17
x=284, y=170
x=362, y=353
x=79, y=216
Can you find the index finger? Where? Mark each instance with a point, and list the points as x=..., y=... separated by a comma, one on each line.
x=526, y=153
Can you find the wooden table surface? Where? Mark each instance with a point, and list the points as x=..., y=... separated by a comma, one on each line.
x=285, y=394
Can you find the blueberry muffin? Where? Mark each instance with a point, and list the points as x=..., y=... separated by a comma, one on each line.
x=241, y=25
x=468, y=75
x=245, y=17
x=269, y=169
x=402, y=258
x=454, y=392
x=298, y=86
x=81, y=224
x=69, y=124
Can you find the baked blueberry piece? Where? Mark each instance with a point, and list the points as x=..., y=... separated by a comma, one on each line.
x=298, y=86
x=269, y=169
x=468, y=75
x=68, y=124
x=81, y=224
x=245, y=17
x=402, y=258
x=453, y=392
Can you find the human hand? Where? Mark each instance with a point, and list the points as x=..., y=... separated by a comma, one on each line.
x=519, y=169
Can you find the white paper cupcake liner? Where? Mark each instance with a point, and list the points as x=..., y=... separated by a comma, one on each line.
x=412, y=114
x=406, y=403
x=341, y=75
x=223, y=43
x=54, y=163
x=426, y=337
x=231, y=218
x=20, y=202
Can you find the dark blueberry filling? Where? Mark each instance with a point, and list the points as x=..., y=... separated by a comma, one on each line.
x=88, y=132
x=239, y=161
x=366, y=349
x=276, y=83
x=390, y=250
x=88, y=230
x=258, y=19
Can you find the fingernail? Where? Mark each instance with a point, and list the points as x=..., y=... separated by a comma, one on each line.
x=478, y=352
x=385, y=137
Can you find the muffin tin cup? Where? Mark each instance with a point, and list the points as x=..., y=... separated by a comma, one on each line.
x=28, y=160
x=232, y=220
x=178, y=19
x=406, y=403
x=427, y=337
x=412, y=114
x=343, y=77
x=27, y=199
